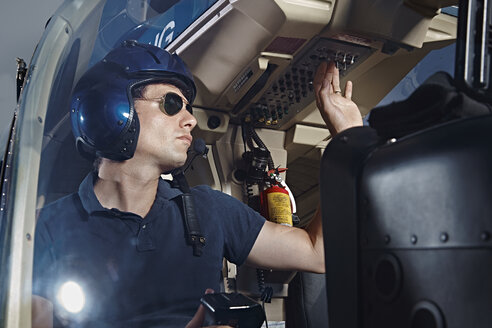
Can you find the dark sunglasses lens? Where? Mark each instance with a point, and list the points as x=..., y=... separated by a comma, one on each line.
x=172, y=103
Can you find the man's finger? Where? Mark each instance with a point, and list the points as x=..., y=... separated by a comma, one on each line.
x=336, y=78
x=319, y=76
x=328, y=78
x=348, y=90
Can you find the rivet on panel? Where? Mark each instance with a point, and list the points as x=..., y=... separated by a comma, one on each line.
x=387, y=239
x=413, y=239
x=444, y=237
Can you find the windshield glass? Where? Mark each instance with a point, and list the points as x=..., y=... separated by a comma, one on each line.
x=82, y=263
x=147, y=21
x=441, y=60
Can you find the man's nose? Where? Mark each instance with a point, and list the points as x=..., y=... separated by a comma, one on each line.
x=188, y=120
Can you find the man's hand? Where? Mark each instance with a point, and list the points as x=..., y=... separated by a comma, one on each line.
x=197, y=320
x=42, y=312
x=339, y=112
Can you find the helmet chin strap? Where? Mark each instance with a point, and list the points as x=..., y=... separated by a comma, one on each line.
x=192, y=226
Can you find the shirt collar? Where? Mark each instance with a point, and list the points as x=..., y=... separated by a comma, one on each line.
x=91, y=204
x=166, y=191
x=87, y=196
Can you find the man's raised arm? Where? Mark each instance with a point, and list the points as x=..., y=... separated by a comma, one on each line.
x=285, y=248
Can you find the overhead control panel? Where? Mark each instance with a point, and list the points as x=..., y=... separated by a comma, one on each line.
x=263, y=75
x=293, y=89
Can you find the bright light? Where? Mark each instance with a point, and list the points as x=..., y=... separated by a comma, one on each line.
x=127, y=115
x=71, y=297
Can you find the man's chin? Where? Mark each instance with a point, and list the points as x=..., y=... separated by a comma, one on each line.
x=180, y=162
x=169, y=167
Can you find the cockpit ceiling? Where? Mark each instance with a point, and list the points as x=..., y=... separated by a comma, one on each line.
x=257, y=58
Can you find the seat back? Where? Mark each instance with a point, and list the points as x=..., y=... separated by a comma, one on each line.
x=407, y=227
x=306, y=303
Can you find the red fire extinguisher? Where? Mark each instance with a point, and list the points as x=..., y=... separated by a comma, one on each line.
x=275, y=202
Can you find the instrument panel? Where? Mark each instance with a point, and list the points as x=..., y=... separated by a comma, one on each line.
x=292, y=90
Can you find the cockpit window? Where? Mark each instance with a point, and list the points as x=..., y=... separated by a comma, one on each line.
x=63, y=277
x=147, y=21
x=451, y=10
x=441, y=60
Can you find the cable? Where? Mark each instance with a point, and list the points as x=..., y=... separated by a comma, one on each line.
x=249, y=134
x=244, y=134
x=261, y=144
x=266, y=291
x=249, y=191
x=246, y=130
x=264, y=310
x=260, y=275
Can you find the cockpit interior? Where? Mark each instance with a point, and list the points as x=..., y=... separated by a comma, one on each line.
x=253, y=62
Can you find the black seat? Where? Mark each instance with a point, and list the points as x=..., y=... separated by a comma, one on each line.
x=407, y=227
x=306, y=303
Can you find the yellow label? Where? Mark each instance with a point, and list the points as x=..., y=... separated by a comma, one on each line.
x=279, y=208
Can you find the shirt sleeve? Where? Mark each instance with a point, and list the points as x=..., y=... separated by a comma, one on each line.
x=239, y=223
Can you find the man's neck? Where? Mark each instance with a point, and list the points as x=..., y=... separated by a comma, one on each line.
x=126, y=187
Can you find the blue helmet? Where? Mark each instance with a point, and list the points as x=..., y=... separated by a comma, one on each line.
x=104, y=120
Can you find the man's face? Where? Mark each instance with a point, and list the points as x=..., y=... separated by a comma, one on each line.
x=163, y=139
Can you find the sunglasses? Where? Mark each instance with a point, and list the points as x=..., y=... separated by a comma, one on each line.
x=171, y=103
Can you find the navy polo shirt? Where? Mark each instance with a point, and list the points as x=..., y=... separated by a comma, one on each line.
x=134, y=271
